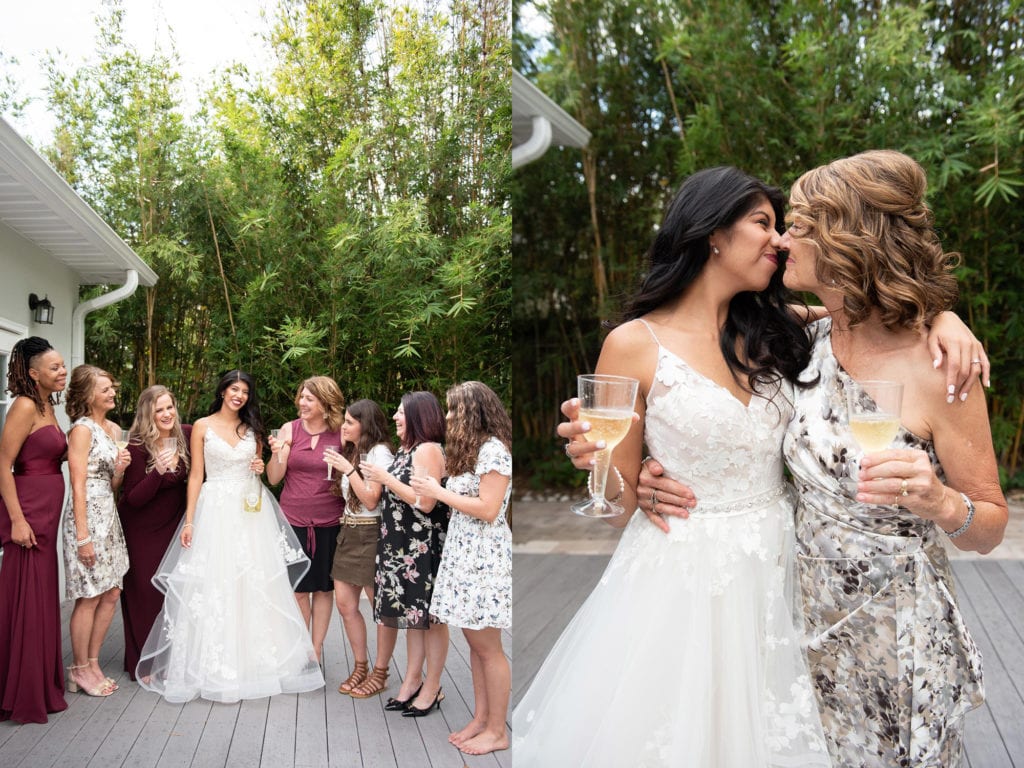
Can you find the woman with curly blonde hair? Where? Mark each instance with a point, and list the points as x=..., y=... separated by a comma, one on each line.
x=474, y=582
x=151, y=505
x=307, y=501
x=95, y=556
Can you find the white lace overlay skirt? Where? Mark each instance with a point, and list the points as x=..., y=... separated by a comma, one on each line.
x=686, y=654
x=230, y=628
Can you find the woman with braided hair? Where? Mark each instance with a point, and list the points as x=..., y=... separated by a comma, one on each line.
x=32, y=448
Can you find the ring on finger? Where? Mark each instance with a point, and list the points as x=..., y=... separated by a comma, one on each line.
x=654, y=499
x=567, y=445
x=975, y=362
x=903, y=487
x=896, y=500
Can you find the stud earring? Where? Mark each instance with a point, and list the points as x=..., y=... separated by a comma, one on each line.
x=714, y=249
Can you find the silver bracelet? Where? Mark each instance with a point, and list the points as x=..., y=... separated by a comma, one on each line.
x=967, y=523
x=622, y=485
x=83, y=542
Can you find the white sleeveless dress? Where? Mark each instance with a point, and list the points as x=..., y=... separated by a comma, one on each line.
x=230, y=628
x=687, y=652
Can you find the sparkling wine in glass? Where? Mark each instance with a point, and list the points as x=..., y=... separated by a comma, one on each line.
x=607, y=403
x=364, y=458
x=120, y=438
x=418, y=472
x=873, y=410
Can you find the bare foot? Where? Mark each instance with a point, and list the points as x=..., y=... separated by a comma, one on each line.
x=484, y=743
x=468, y=732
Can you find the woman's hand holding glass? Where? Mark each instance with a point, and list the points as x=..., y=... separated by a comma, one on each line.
x=902, y=477
x=277, y=445
x=165, y=459
x=425, y=486
x=336, y=461
x=372, y=473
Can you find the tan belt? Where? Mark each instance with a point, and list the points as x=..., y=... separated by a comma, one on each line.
x=355, y=520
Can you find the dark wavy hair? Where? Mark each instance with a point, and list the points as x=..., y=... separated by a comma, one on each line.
x=476, y=414
x=250, y=412
x=373, y=430
x=24, y=357
x=773, y=341
x=424, y=419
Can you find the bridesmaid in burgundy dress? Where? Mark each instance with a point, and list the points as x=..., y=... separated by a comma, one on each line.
x=151, y=507
x=33, y=446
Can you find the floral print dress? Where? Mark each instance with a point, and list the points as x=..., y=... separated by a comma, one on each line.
x=474, y=584
x=408, y=555
x=894, y=666
x=102, y=519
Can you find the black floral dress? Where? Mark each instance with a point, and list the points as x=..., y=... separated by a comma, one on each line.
x=408, y=555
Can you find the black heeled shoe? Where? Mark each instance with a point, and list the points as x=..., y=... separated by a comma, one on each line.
x=412, y=711
x=401, y=705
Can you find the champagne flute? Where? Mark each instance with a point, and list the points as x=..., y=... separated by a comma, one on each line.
x=364, y=458
x=276, y=434
x=330, y=467
x=606, y=402
x=120, y=438
x=168, y=448
x=418, y=472
x=873, y=411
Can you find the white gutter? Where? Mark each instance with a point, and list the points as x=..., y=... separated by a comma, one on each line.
x=78, y=316
x=536, y=145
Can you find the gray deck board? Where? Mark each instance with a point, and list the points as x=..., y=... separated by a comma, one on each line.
x=550, y=588
x=319, y=729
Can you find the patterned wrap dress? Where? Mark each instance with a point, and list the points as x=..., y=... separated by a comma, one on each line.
x=103, y=520
x=408, y=555
x=894, y=666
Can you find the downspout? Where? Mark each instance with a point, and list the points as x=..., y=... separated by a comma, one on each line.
x=78, y=316
x=536, y=145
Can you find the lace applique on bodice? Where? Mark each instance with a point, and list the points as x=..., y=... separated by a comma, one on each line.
x=226, y=462
x=726, y=452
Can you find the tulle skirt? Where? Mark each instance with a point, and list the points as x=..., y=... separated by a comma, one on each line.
x=687, y=653
x=230, y=628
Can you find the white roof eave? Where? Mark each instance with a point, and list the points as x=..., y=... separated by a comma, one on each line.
x=38, y=204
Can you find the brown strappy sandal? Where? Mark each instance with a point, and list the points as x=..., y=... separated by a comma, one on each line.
x=357, y=677
x=374, y=684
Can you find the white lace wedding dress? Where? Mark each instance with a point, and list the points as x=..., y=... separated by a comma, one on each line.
x=230, y=628
x=687, y=652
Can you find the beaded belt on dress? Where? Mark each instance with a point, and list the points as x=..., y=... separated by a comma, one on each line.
x=348, y=519
x=742, y=505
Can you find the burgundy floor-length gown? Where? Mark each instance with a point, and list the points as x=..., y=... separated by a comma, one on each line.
x=31, y=661
x=151, y=507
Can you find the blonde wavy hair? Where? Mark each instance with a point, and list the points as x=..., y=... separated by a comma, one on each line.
x=145, y=432
x=81, y=388
x=475, y=413
x=326, y=390
x=867, y=218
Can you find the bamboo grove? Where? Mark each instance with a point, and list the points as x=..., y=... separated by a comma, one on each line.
x=344, y=214
x=777, y=87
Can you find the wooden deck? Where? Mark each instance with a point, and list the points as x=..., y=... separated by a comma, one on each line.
x=550, y=587
x=320, y=729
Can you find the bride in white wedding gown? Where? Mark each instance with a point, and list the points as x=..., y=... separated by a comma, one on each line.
x=230, y=628
x=687, y=653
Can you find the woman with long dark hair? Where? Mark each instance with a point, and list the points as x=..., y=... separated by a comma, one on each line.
x=363, y=432
x=230, y=628
x=716, y=350
x=473, y=590
x=32, y=448
x=409, y=552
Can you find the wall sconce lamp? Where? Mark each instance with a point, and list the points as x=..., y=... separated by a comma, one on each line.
x=42, y=309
